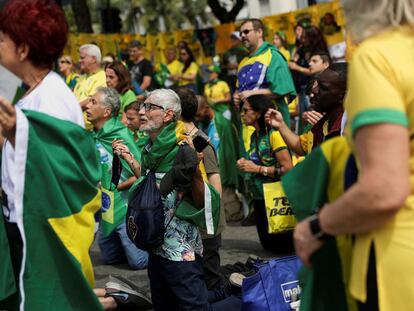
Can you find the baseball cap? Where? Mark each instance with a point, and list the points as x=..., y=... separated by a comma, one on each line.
x=214, y=68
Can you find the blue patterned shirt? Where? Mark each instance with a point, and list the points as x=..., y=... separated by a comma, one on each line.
x=182, y=240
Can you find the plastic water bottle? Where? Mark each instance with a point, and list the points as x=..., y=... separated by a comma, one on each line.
x=103, y=155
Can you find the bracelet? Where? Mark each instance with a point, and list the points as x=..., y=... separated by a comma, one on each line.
x=260, y=169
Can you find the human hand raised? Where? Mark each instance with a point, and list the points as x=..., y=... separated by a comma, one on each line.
x=274, y=118
x=312, y=116
x=122, y=150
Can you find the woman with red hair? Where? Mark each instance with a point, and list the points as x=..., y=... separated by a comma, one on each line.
x=33, y=34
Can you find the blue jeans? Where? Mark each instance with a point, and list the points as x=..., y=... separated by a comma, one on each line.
x=179, y=285
x=117, y=248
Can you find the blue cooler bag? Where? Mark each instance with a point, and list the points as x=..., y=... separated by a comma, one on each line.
x=273, y=286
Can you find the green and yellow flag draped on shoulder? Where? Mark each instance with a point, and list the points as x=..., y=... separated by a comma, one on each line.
x=228, y=150
x=114, y=203
x=161, y=155
x=319, y=179
x=56, y=196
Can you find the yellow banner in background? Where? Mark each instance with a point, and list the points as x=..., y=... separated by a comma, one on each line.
x=223, y=32
x=328, y=16
x=283, y=23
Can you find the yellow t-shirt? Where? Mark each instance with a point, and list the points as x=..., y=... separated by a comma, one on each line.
x=285, y=53
x=192, y=69
x=306, y=139
x=86, y=87
x=175, y=67
x=293, y=106
x=381, y=90
x=216, y=91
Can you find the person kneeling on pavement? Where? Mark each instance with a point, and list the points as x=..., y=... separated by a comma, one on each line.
x=175, y=268
x=102, y=111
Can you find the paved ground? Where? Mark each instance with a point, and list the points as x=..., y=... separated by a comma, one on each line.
x=238, y=242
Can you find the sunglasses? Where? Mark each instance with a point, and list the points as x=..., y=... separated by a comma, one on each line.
x=245, y=32
x=149, y=106
x=65, y=62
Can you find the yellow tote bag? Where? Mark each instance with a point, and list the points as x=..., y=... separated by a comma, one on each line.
x=278, y=211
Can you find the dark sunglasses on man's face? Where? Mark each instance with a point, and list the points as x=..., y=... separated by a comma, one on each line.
x=245, y=32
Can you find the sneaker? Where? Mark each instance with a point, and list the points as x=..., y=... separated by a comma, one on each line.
x=126, y=294
x=236, y=279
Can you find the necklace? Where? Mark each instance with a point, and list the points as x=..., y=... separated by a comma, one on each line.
x=35, y=85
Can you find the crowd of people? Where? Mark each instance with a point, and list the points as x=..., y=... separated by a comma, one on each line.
x=216, y=143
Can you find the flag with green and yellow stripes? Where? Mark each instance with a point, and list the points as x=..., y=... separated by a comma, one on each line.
x=321, y=178
x=56, y=197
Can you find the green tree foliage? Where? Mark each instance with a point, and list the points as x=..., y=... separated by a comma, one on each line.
x=152, y=14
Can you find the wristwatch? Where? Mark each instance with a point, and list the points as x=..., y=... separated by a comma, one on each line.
x=316, y=228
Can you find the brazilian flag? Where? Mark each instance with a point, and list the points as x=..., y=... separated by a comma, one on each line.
x=56, y=196
x=228, y=151
x=161, y=158
x=321, y=178
x=114, y=202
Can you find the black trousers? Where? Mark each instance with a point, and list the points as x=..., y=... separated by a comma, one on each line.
x=278, y=243
x=16, y=253
x=372, y=289
x=211, y=262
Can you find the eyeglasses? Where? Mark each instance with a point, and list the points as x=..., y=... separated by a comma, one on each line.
x=64, y=62
x=245, y=32
x=148, y=106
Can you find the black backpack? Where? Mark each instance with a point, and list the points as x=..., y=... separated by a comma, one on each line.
x=145, y=215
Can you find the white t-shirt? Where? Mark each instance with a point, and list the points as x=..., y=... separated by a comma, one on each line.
x=52, y=97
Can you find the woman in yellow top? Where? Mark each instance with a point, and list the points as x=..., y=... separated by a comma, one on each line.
x=279, y=41
x=379, y=207
x=188, y=76
x=66, y=67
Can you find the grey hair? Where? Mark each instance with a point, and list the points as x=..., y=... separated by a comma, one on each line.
x=168, y=99
x=366, y=18
x=111, y=99
x=92, y=50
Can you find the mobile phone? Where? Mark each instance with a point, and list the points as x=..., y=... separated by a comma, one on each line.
x=200, y=143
